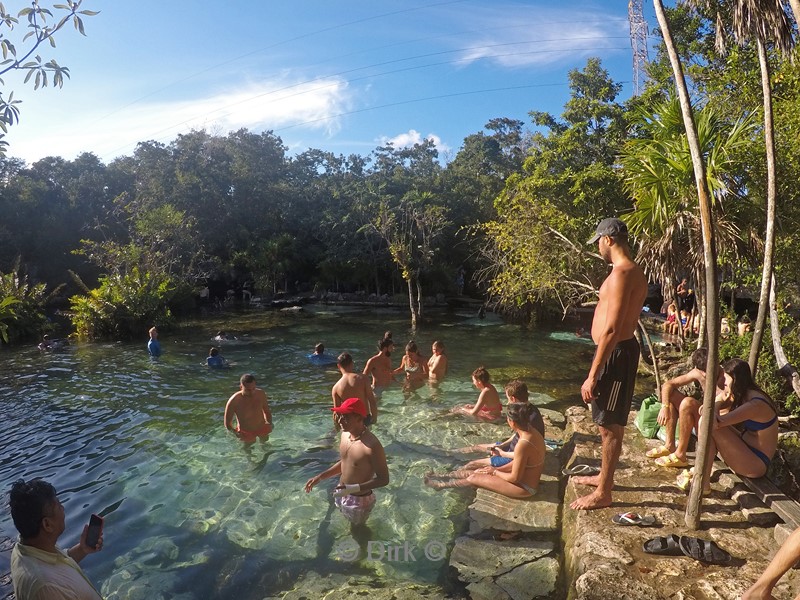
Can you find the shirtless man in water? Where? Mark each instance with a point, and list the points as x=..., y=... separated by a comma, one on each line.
x=251, y=409
x=380, y=367
x=361, y=467
x=609, y=385
x=353, y=385
x=437, y=363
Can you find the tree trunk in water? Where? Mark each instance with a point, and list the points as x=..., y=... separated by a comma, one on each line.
x=419, y=298
x=411, y=304
x=710, y=257
x=785, y=368
x=656, y=371
x=769, y=238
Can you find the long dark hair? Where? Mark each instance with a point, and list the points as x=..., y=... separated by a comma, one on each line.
x=739, y=371
x=520, y=414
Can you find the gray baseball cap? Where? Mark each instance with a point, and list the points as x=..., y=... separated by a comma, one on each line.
x=610, y=226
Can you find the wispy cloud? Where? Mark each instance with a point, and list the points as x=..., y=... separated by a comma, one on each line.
x=265, y=105
x=523, y=36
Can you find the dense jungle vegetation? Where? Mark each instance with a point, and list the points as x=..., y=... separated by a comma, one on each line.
x=121, y=246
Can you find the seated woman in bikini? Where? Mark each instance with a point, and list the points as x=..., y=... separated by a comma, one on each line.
x=520, y=477
x=746, y=437
x=414, y=365
x=488, y=406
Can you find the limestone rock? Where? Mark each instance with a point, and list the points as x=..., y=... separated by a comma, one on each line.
x=532, y=580
x=613, y=582
x=476, y=560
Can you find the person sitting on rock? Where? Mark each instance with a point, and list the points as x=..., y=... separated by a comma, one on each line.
x=684, y=411
x=519, y=478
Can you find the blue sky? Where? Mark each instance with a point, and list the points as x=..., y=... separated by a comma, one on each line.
x=343, y=76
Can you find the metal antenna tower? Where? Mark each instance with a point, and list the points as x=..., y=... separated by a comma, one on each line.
x=638, y=43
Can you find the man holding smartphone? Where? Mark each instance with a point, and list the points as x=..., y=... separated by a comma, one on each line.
x=39, y=569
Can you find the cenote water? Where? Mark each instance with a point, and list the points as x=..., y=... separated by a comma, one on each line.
x=188, y=514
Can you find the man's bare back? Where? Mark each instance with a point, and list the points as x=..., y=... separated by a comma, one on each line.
x=627, y=280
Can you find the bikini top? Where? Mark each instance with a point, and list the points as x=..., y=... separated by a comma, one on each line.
x=413, y=369
x=750, y=425
x=539, y=464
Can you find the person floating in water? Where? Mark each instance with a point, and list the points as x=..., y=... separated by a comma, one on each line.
x=250, y=408
x=319, y=358
x=437, y=363
x=362, y=464
x=488, y=406
x=49, y=344
x=215, y=359
x=353, y=385
x=153, y=346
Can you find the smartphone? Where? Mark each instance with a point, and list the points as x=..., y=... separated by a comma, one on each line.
x=95, y=527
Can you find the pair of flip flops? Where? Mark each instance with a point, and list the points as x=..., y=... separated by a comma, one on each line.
x=581, y=470
x=705, y=551
x=632, y=518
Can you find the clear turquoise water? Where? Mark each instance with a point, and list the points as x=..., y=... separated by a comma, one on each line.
x=188, y=513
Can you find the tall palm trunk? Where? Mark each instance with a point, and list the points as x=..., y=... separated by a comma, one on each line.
x=795, y=4
x=769, y=238
x=710, y=256
x=785, y=368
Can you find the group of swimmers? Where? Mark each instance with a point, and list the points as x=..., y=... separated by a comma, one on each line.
x=513, y=467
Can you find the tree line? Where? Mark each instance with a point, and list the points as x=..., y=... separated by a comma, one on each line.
x=135, y=240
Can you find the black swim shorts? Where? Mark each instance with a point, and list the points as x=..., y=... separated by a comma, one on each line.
x=615, y=388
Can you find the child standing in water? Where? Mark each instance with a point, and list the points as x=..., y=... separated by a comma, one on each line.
x=488, y=406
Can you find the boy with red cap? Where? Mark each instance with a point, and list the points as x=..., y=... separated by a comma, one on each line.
x=361, y=467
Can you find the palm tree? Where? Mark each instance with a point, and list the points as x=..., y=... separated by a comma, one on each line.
x=659, y=176
x=763, y=21
x=709, y=255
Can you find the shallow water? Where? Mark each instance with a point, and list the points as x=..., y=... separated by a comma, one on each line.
x=189, y=514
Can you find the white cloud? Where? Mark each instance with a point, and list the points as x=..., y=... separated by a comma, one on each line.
x=266, y=105
x=413, y=137
x=531, y=36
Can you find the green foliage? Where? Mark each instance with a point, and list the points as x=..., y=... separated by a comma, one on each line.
x=7, y=313
x=536, y=248
x=125, y=305
x=22, y=308
x=158, y=268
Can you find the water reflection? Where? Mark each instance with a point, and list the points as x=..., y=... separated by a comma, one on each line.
x=188, y=513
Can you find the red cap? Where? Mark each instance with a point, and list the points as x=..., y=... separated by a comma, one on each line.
x=351, y=406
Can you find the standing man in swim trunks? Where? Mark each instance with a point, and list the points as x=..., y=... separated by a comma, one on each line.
x=380, y=367
x=251, y=409
x=609, y=385
x=361, y=467
x=353, y=385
